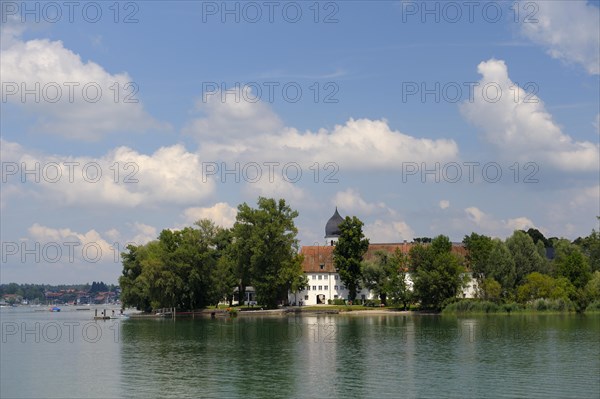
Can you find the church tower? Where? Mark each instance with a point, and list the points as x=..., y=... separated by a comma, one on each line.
x=332, y=228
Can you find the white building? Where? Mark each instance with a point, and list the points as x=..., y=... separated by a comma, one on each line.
x=324, y=282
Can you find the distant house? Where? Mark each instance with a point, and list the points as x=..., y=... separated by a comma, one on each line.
x=324, y=282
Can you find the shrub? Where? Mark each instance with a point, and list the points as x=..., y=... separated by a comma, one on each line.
x=595, y=306
x=556, y=305
x=510, y=307
x=339, y=301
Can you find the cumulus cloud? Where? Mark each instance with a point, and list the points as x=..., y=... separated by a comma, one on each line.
x=232, y=114
x=250, y=131
x=221, y=213
x=277, y=187
x=73, y=98
x=143, y=233
x=487, y=224
x=69, y=246
x=518, y=125
x=123, y=177
x=351, y=201
x=568, y=30
x=387, y=225
x=388, y=231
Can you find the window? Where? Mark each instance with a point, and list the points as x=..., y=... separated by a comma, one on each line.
x=306, y=297
x=326, y=287
x=314, y=287
x=322, y=265
x=335, y=276
x=320, y=287
x=342, y=288
x=320, y=277
x=335, y=287
x=308, y=288
x=314, y=277
x=335, y=297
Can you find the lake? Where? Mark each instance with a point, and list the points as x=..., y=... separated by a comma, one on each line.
x=67, y=355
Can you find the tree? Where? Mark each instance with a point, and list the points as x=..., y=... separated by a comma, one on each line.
x=375, y=275
x=348, y=254
x=490, y=290
x=572, y=264
x=422, y=240
x=177, y=270
x=266, y=250
x=478, y=251
x=537, y=285
x=132, y=291
x=440, y=275
x=593, y=286
x=397, y=286
x=501, y=267
x=537, y=236
x=591, y=248
x=525, y=254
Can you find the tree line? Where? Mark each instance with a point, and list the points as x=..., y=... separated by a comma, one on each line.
x=523, y=268
x=201, y=265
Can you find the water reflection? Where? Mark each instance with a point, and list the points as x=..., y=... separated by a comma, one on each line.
x=534, y=356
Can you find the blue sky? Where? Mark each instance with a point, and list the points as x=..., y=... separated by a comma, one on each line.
x=370, y=126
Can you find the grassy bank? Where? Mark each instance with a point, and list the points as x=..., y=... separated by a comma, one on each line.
x=475, y=306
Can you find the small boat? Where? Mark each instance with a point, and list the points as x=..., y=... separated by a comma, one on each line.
x=55, y=309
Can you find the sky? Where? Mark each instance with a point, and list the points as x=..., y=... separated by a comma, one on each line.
x=121, y=119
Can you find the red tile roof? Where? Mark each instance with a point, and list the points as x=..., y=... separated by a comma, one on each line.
x=315, y=256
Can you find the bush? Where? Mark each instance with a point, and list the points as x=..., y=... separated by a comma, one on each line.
x=556, y=305
x=373, y=303
x=594, y=306
x=339, y=301
x=510, y=307
x=471, y=305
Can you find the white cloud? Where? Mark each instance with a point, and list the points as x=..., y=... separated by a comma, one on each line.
x=277, y=187
x=128, y=178
x=232, y=117
x=89, y=247
x=350, y=200
x=143, y=233
x=387, y=226
x=487, y=224
x=75, y=99
x=444, y=204
x=524, y=131
x=221, y=213
x=250, y=131
x=388, y=231
x=569, y=31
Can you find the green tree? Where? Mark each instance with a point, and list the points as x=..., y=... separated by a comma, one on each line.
x=490, y=290
x=133, y=292
x=375, y=274
x=266, y=250
x=501, y=267
x=537, y=236
x=593, y=286
x=397, y=286
x=525, y=254
x=591, y=248
x=348, y=254
x=478, y=252
x=572, y=264
x=537, y=285
x=440, y=275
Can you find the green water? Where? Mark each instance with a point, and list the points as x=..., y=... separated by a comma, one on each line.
x=533, y=356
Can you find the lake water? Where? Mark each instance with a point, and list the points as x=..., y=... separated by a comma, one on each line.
x=67, y=355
